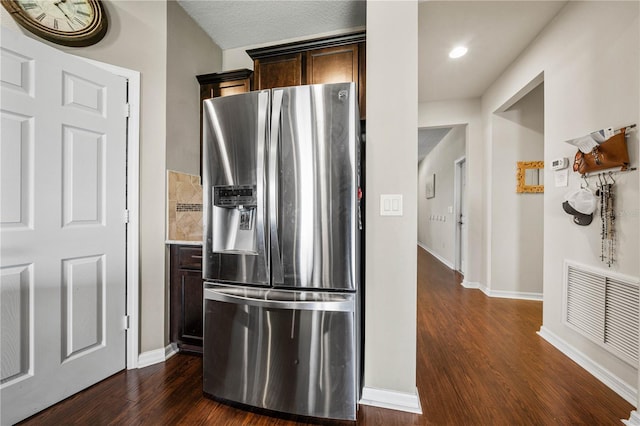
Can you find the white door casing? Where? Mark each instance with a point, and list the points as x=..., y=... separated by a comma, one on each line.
x=460, y=214
x=62, y=230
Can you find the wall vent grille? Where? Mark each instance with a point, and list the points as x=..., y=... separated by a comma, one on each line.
x=605, y=308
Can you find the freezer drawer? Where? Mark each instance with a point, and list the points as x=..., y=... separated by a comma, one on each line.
x=293, y=352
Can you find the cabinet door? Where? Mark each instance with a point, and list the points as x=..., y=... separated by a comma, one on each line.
x=234, y=87
x=186, y=297
x=278, y=71
x=333, y=65
x=340, y=64
x=224, y=88
x=191, y=309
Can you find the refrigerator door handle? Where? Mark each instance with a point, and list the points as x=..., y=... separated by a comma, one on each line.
x=277, y=275
x=334, y=302
x=261, y=196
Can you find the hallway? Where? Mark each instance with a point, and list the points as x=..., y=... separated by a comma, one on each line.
x=480, y=362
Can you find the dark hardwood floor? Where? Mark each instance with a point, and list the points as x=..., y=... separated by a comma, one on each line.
x=479, y=362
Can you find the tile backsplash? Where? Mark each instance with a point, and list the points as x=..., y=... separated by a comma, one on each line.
x=184, y=201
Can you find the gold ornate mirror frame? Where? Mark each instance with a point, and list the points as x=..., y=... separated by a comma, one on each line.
x=523, y=185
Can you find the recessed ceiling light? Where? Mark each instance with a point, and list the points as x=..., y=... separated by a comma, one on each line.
x=458, y=52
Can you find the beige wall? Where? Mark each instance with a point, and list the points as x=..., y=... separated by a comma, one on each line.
x=190, y=52
x=391, y=156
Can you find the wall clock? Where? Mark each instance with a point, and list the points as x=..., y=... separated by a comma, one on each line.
x=68, y=22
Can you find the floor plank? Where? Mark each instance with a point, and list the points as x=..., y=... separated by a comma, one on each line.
x=479, y=362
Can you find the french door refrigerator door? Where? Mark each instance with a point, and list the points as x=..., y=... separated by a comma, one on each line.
x=313, y=170
x=235, y=243
x=287, y=351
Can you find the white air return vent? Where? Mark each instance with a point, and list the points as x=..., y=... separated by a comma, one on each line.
x=604, y=307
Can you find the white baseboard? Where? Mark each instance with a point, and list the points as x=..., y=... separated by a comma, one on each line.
x=634, y=419
x=470, y=284
x=512, y=294
x=437, y=256
x=156, y=356
x=392, y=400
x=502, y=294
x=170, y=350
x=628, y=393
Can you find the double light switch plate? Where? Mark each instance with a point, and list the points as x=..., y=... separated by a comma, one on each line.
x=390, y=205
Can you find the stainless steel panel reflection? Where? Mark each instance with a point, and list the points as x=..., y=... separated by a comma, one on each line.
x=290, y=360
x=235, y=237
x=282, y=299
x=317, y=161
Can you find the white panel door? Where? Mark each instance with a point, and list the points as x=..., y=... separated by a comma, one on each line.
x=62, y=231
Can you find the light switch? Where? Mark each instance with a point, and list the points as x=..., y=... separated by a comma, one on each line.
x=390, y=205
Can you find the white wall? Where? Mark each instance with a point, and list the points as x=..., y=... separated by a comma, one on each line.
x=590, y=57
x=517, y=237
x=190, y=52
x=466, y=112
x=436, y=221
x=391, y=156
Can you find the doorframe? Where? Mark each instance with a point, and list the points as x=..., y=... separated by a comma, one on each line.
x=457, y=195
x=132, y=200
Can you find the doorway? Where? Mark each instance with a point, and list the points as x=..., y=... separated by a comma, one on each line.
x=440, y=198
x=517, y=219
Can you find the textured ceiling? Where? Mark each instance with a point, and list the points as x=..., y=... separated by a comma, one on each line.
x=240, y=23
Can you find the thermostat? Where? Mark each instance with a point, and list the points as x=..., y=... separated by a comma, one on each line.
x=560, y=163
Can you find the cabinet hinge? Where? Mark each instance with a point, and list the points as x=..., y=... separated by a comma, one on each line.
x=127, y=322
x=125, y=216
x=127, y=110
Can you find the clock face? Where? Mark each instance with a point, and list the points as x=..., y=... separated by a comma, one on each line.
x=63, y=15
x=68, y=22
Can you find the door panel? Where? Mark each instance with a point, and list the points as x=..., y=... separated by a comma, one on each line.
x=317, y=192
x=279, y=71
x=83, y=158
x=333, y=65
x=233, y=181
x=269, y=350
x=62, y=263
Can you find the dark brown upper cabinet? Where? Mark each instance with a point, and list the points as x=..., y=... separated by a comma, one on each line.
x=224, y=83
x=219, y=84
x=278, y=71
x=336, y=59
x=333, y=65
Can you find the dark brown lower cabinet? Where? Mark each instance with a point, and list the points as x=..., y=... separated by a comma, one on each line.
x=186, y=297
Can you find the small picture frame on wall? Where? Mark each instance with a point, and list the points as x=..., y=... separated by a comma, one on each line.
x=431, y=186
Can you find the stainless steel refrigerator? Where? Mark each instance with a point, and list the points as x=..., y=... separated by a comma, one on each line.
x=281, y=247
